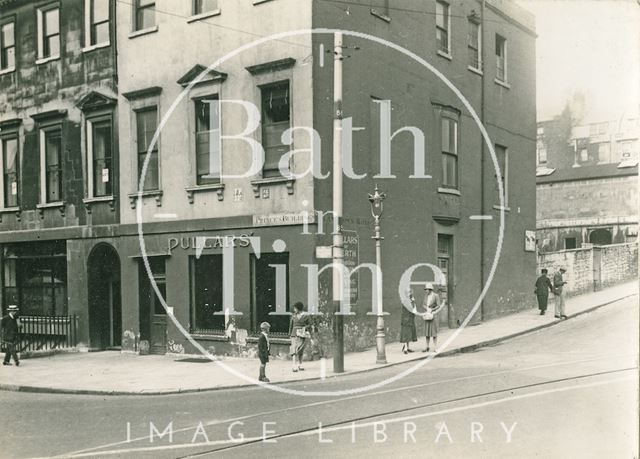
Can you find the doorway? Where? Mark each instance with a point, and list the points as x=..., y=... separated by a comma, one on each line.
x=153, y=316
x=264, y=299
x=105, y=306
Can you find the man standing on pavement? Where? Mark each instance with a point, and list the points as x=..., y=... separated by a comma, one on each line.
x=543, y=286
x=9, y=329
x=558, y=284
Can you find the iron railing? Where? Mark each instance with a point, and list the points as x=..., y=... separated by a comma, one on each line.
x=39, y=333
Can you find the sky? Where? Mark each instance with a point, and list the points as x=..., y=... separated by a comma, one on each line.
x=592, y=46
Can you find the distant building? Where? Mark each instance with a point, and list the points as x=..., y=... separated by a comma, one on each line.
x=587, y=183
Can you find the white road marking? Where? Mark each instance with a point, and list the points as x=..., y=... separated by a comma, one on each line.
x=321, y=52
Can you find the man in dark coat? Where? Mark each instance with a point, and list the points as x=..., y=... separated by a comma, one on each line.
x=263, y=350
x=9, y=329
x=543, y=287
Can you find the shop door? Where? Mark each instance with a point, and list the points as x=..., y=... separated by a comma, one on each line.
x=105, y=312
x=445, y=256
x=153, y=316
x=264, y=298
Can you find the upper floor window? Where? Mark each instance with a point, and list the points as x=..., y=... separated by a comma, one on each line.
x=503, y=164
x=449, y=148
x=443, y=27
x=51, y=164
x=97, y=22
x=7, y=46
x=10, y=171
x=145, y=14
x=208, y=140
x=474, y=44
x=100, y=156
x=542, y=152
x=204, y=6
x=276, y=119
x=146, y=124
x=501, y=58
x=49, y=32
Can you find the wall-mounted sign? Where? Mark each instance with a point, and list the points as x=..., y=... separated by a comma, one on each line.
x=283, y=219
x=529, y=241
x=351, y=244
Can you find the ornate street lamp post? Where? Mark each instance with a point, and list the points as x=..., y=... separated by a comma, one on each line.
x=376, y=199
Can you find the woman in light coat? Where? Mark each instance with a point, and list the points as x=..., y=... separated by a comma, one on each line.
x=432, y=306
x=298, y=332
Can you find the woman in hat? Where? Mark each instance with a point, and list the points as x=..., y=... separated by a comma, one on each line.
x=432, y=306
x=298, y=332
x=408, y=325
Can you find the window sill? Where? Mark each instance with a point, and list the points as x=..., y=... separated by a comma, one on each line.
x=380, y=15
x=10, y=210
x=454, y=191
x=139, y=33
x=217, y=187
x=257, y=184
x=89, y=48
x=88, y=202
x=444, y=54
x=475, y=70
x=60, y=205
x=201, y=16
x=504, y=84
x=7, y=70
x=506, y=209
x=157, y=194
x=44, y=60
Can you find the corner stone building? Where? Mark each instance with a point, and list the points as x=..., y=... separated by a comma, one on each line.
x=187, y=203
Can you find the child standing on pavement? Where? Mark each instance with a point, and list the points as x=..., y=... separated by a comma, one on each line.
x=263, y=350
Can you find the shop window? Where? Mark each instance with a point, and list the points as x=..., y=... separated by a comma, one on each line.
x=10, y=171
x=51, y=171
x=7, y=46
x=96, y=22
x=207, y=287
x=35, y=277
x=208, y=154
x=449, y=149
x=144, y=14
x=276, y=119
x=443, y=27
x=100, y=156
x=265, y=297
x=48, y=32
x=146, y=125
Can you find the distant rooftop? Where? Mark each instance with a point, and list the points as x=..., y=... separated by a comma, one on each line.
x=587, y=172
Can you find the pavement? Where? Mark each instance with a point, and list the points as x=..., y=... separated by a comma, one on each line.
x=115, y=373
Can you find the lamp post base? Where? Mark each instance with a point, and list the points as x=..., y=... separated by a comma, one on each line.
x=381, y=357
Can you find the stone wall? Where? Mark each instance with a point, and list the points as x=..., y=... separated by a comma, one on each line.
x=593, y=268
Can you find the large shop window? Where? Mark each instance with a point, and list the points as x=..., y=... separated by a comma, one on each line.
x=206, y=278
x=207, y=136
x=265, y=299
x=276, y=119
x=35, y=277
x=147, y=123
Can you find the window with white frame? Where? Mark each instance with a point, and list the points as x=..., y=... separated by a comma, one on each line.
x=474, y=44
x=501, y=58
x=276, y=119
x=443, y=27
x=207, y=140
x=204, y=6
x=48, y=31
x=146, y=125
x=96, y=22
x=542, y=152
x=10, y=171
x=144, y=14
x=7, y=46
x=99, y=157
x=51, y=164
x=449, y=149
x=503, y=164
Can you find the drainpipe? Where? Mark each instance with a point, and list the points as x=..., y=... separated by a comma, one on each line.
x=482, y=155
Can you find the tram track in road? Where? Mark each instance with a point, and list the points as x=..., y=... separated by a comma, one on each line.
x=86, y=452
x=349, y=422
